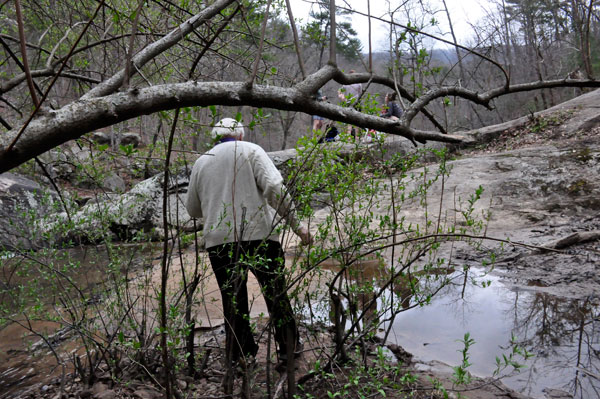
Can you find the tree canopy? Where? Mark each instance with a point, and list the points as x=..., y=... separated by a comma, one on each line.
x=70, y=68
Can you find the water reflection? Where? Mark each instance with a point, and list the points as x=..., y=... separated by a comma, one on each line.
x=564, y=335
x=561, y=333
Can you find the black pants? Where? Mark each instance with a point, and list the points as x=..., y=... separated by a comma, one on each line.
x=230, y=263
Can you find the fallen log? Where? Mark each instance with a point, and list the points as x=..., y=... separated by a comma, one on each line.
x=575, y=238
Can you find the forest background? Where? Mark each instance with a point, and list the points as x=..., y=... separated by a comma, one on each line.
x=72, y=72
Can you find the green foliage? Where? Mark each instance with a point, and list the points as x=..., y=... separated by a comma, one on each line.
x=461, y=376
x=317, y=32
x=539, y=124
x=382, y=261
x=517, y=353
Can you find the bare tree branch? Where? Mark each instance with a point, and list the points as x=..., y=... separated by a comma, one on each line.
x=296, y=39
x=19, y=64
x=38, y=106
x=485, y=98
x=5, y=124
x=147, y=54
x=547, y=84
x=428, y=97
x=131, y=44
x=40, y=73
x=370, y=38
x=18, y=79
x=250, y=81
x=16, y=40
x=411, y=29
x=12, y=106
x=211, y=41
x=22, y=40
x=392, y=84
x=86, y=115
x=332, y=34
x=49, y=60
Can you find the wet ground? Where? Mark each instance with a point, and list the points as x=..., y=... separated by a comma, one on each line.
x=33, y=349
x=540, y=185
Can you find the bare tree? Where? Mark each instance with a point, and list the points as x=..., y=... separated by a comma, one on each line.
x=152, y=91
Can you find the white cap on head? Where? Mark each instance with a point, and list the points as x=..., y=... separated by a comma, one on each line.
x=228, y=127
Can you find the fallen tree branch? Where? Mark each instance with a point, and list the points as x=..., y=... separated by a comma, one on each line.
x=573, y=239
x=56, y=127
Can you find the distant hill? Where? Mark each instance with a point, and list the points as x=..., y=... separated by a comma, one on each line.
x=439, y=56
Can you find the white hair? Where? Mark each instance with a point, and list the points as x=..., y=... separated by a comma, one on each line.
x=228, y=127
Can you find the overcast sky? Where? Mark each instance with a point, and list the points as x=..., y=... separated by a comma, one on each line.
x=461, y=11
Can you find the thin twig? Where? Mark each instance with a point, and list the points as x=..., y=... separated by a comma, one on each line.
x=332, y=34
x=55, y=49
x=260, y=47
x=131, y=44
x=165, y=264
x=370, y=45
x=22, y=41
x=211, y=41
x=14, y=142
x=296, y=39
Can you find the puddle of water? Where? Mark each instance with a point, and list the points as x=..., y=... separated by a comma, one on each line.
x=563, y=334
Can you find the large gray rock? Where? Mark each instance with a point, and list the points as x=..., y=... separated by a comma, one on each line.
x=22, y=203
x=56, y=164
x=139, y=211
x=101, y=138
x=114, y=183
x=585, y=117
x=131, y=138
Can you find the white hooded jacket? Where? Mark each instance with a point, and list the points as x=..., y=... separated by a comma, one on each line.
x=240, y=194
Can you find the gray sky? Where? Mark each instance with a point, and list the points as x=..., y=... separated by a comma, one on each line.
x=461, y=11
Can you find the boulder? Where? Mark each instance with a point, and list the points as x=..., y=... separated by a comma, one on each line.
x=57, y=164
x=131, y=138
x=139, y=210
x=22, y=203
x=114, y=183
x=123, y=217
x=101, y=138
x=282, y=160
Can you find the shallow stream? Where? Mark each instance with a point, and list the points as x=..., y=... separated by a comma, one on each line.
x=563, y=334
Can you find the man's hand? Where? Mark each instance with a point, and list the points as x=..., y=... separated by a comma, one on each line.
x=305, y=236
